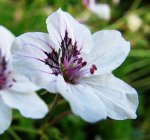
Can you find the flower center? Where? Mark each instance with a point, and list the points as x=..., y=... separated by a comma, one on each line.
x=67, y=61
x=5, y=81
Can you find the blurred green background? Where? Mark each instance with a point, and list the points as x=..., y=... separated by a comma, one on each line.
x=30, y=15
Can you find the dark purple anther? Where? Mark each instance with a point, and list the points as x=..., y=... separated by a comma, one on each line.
x=92, y=70
x=80, y=60
x=84, y=63
x=94, y=66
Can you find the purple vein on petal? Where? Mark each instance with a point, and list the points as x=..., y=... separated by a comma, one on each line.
x=59, y=29
x=31, y=57
x=46, y=43
x=40, y=70
x=34, y=46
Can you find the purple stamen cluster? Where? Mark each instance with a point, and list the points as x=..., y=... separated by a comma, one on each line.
x=67, y=61
x=4, y=74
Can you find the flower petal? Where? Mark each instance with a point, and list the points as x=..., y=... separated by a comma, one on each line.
x=23, y=84
x=28, y=56
x=120, y=99
x=6, y=40
x=60, y=22
x=83, y=101
x=5, y=116
x=29, y=104
x=109, y=51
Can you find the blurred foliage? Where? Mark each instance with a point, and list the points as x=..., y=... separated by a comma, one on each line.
x=29, y=15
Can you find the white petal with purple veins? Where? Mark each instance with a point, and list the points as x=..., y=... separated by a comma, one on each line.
x=29, y=51
x=120, y=100
x=83, y=101
x=60, y=21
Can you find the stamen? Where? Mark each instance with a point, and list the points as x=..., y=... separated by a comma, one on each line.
x=92, y=70
x=5, y=79
x=80, y=66
x=84, y=63
x=70, y=64
x=94, y=66
x=80, y=60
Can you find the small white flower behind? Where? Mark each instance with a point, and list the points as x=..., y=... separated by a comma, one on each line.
x=134, y=22
x=101, y=10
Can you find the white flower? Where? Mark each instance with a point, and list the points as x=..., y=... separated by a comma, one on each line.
x=134, y=22
x=16, y=91
x=70, y=61
x=101, y=10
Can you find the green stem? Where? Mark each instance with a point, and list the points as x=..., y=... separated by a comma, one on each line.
x=55, y=120
x=57, y=97
x=44, y=92
x=59, y=117
x=27, y=130
x=52, y=107
x=13, y=134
